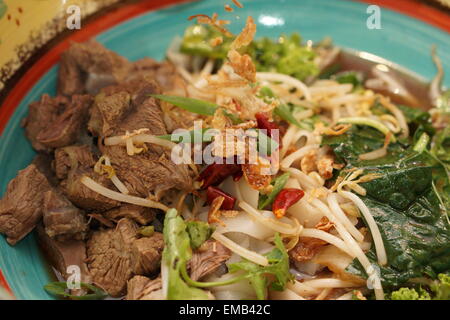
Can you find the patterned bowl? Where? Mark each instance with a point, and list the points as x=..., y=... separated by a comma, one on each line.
x=28, y=64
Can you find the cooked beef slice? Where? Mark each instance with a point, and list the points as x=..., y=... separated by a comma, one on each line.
x=85, y=198
x=143, y=288
x=62, y=254
x=43, y=162
x=141, y=215
x=62, y=220
x=115, y=255
x=40, y=115
x=123, y=108
x=146, y=254
x=207, y=259
x=127, y=107
x=72, y=157
x=56, y=122
x=21, y=206
x=88, y=67
x=164, y=73
x=71, y=164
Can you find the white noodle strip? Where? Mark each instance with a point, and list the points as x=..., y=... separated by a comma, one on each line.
x=94, y=186
x=340, y=215
x=139, y=138
x=272, y=76
x=297, y=155
x=374, y=230
x=273, y=224
x=327, y=237
x=115, y=180
x=330, y=283
x=241, y=251
x=349, y=98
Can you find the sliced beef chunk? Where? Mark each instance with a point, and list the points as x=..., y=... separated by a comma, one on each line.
x=164, y=73
x=43, y=163
x=72, y=157
x=115, y=255
x=146, y=254
x=62, y=220
x=56, y=122
x=71, y=164
x=85, y=198
x=143, y=288
x=207, y=259
x=127, y=108
x=88, y=67
x=21, y=207
x=62, y=254
x=141, y=215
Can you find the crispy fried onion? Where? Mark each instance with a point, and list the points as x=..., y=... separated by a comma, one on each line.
x=214, y=22
x=246, y=36
x=103, y=166
x=96, y=187
x=258, y=175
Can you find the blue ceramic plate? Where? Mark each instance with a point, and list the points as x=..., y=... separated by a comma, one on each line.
x=403, y=40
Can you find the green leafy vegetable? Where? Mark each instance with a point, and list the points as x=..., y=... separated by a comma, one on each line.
x=410, y=294
x=278, y=267
x=287, y=55
x=439, y=289
x=359, y=140
x=199, y=232
x=60, y=289
x=176, y=254
x=278, y=185
x=415, y=232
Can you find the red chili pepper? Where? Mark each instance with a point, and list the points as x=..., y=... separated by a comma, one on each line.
x=285, y=199
x=215, y=173
x=228, y=202
x=263, y=123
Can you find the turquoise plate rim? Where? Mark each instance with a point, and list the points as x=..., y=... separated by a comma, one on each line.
x=402, y=40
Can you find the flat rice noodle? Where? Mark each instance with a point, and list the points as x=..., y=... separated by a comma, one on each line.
x=337, y=261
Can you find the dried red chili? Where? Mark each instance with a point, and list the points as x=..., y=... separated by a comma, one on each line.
x=285, y=199
x=263, y=123
x=215, y=173
x=213, y=193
